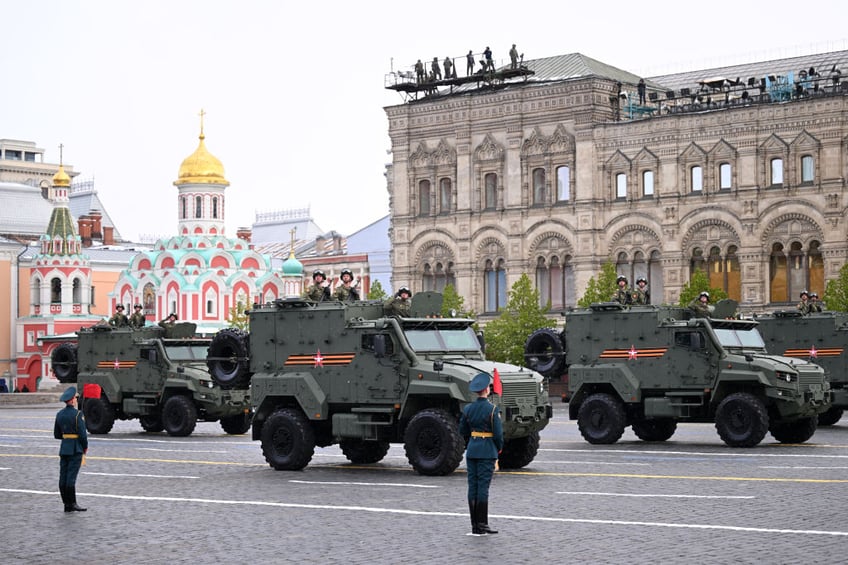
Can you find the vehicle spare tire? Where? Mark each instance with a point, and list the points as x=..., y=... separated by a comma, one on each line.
x=64, y=361
x=544, y=352
x=228, y=358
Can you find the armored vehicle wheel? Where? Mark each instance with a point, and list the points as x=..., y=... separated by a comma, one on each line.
x=519, y=452
x=179, y=416
x=544, y=352
x=741, y=420
x=228, y=358
x=601, y=419
x=64, y=362
x=830, y=417
x=659, y=429
x=432, y=442
x=151, y=423
x=99, y=415
x=288, y=442
x=238, y=424
x=798, y=431
x=362, y=452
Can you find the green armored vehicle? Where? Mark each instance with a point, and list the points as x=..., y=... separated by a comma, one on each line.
x=154, y=374
x=649, y=367
x=821, y=338
x=331, y=372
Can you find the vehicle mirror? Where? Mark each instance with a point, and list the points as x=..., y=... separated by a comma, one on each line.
x=482, y=340
x=438, y=365
x=695, y=342
x=379, y=345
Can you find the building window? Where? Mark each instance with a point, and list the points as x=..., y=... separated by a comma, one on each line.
x=554, y=280
x=807, y=173
x=445, y=196
x=77, y=291
x=424, y=198
x=648, y=183
x=724, y=176
x=621, y=185
x=55, y=291
x=30, y=339
x=563, y=184
x=215, y=207
x=183, y=208
x=722, y=268
x=91, y=301
x=198, y=207
x=437, y=277
x=539, y=196
x=776, y=172
x=491, y=182
x=696, y=178
x=494, y=285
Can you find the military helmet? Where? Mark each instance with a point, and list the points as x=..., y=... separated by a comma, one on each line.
x=347, y=272
x=138, y=306
x=119, y=307
x=174, y=316
x=403, y=289
x=641, y=279
x=814, y=295
x=704, y=293
x=318, y=272
x=621, y=278
x=803, y=292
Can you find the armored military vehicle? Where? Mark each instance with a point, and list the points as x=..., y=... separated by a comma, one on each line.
x=155, y=374
x=821, y=338
x=649, y=367
x=331, y=372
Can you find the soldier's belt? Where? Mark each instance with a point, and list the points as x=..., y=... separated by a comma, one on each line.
x=482, y=434
x=70, y=436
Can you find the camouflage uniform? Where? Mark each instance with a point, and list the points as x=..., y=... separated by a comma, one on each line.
x=804, y=307
x=397, y=306
x=816, y=304
x=317, y=292
x=700, y=309
x=640, y=296
x=119, y=320
x=138, y=320
x=346, y=293
x=623, y=296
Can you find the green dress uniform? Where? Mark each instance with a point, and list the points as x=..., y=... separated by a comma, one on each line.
x=480, y=425
x=70, y=428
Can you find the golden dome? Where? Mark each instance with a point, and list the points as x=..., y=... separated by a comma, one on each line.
x=61, y=178
x=201, y=167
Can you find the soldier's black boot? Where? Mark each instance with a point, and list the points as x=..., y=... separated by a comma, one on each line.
x=472, y=509
x=483, y=518
x=64, y=492
x=72, y=501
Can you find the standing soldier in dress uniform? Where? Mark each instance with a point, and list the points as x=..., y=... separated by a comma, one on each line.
x=347, y=291
x=641, y=294
x=70, y=428
x=804, y=305
x=119, y=319
x=480, y=425
x=400, y=305
x=622, y=295
x=319, y=290
x=137, y=320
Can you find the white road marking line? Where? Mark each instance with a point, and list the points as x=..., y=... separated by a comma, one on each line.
x=139, y=475
x=634, y=464
x=798, y=467
x=698, y=453
x=345, y=483
x=653, y=495
x=463, y=515
x=180, y=450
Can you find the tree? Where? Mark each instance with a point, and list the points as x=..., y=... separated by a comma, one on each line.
x=238, y=317
x=602, y=289
x=698, y=283
x=453, y=302
x=376, y=291
x=506, y=334
x=836, y=292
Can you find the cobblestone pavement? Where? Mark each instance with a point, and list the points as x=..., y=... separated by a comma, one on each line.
x=211, y=498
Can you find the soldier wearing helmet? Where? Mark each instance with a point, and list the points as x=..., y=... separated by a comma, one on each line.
x=701, y=307
x=138, y=320
x=805, y=304
x=319, y=290
x=623, y=295
x=347, y=291
x=641, y=294
x=400, y=304
x=815, y=304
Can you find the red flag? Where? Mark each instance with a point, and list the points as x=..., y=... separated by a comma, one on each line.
x=497, y=385
x=90, y=390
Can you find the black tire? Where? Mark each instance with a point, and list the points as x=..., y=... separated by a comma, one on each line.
x=829, y=418
x=288, y=442
x=601, y=419
x=151, y=423
x=363, y=452
x=519, y=452
x=238, y=424
x=659, y=429
x=741, y=420
x=798, y=431
x=544, y=352
x=64, y=362
x=99, y=415
x=432, y=442
x=179, y=416
x=228, y=358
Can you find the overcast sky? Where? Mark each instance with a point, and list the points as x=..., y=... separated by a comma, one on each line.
x=294, y=91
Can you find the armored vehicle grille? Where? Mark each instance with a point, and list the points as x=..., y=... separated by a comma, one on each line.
x=811, y=377
x=511, y=391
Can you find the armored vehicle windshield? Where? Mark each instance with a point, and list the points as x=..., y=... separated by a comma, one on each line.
x=448, y=340
x=740, y=338
x=182, y=351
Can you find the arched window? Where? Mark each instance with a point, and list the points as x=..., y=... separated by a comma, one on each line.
x=437, y=277
x=778, y=280
x=424, y=198
x=725, y=178
x=494, y=285
x=491, y=198
x=183, y=208
x=56, y=291
x=776, y=171
x=807, y=172
x=723, y=271
x=647, y=183
x=621, y=185
x=444, y=196
x=696, y=178
x=554, y=281
x=539, y=193
x=77, y=291
x=215, y=207
x=198, y=207
x=563, y=184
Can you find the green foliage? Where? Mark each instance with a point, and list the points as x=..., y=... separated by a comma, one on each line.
x=452, y=301
x=238, y=317
x=376, y=292
x=836, y=293
x=600, y=290
x=506, y=334
x=698, y=283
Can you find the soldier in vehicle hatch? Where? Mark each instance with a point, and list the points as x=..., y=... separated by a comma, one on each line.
x=816, y=305
x=169, y=321
x=348, y=291
x=138, y=320
x=622, y=295
x=400, y=305
x=804, y=306
x=641, y=294
x=319, y=290
x=701, y=307
x=119, y=319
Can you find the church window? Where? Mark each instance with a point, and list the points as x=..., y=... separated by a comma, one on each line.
x=215, y=207
x=56, y=291
x=198, y=206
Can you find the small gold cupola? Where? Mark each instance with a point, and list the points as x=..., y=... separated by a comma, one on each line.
x=201, y=167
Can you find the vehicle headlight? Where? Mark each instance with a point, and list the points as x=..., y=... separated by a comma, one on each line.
x=788, y=377
x=207, y=384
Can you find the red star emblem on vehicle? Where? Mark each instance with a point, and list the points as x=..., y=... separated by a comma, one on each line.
x=813, y=352
x=319, y=361
x=117, y=363
x=633, y=353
